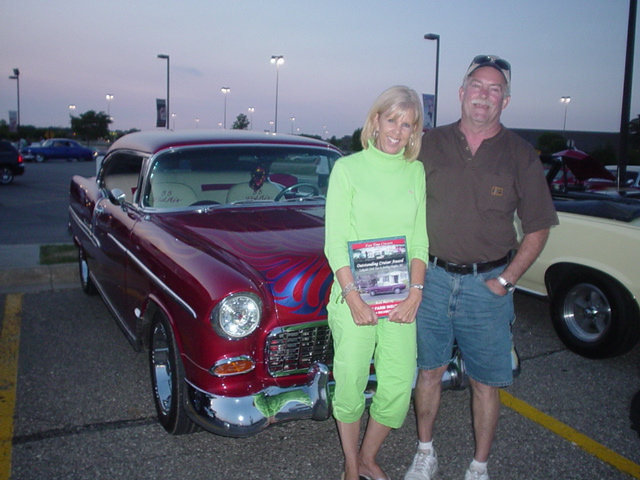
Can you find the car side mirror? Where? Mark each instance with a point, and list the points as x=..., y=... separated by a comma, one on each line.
x=117, y=196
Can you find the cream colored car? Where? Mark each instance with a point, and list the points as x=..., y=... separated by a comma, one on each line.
x=590, y=270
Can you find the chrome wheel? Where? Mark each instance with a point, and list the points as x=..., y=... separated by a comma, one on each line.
x=6, y=175
x=168, y=379
x=161, y=369
x=587, y=312
x=594, y=315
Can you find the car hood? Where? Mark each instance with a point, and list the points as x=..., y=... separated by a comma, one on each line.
x=584, y=166
x=284, y=246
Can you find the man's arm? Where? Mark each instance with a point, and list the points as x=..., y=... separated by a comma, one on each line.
x=530, y=247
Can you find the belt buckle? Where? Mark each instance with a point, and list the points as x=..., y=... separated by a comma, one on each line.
x=458, y=269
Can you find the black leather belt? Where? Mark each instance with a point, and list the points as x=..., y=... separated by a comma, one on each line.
x=466, y=269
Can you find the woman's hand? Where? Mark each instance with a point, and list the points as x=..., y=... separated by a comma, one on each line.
x=405, y=311
x=361, y=312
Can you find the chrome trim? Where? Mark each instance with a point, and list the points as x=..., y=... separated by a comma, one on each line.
x=85, y=228
x=226, y=361
x=245, y=416
x=130, y=334
x=325, y=357
x=153, y=277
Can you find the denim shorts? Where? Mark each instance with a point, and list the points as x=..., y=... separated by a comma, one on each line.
x=461, y=308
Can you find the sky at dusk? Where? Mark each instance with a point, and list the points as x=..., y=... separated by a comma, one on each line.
x=339, y=56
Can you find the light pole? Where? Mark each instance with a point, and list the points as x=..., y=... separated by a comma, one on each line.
x=197, y=122
x=293, y=119
x=225, y=90
x=16, y=77
x=251, y=110
x=174, y=115
x=278, y=60
x=566, y=101
x=436, y=37
x=166, y=57
x=72, y=108
x=109, y=98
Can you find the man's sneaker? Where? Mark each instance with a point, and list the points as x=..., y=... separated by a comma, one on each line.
x=475, y=475
x=424, y=466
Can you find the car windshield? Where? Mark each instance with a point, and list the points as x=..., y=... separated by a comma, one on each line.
x=212, y=175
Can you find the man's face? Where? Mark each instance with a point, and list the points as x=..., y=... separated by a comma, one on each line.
x=483, y=96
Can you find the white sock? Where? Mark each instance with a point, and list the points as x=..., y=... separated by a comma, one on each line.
x=478, y=466
x=425, y=445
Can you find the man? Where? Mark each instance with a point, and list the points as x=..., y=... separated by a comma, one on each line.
x=479, y=174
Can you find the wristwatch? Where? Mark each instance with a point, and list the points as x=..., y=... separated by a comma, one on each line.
x=508, y=286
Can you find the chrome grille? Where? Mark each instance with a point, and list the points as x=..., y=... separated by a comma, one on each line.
x=294, y=349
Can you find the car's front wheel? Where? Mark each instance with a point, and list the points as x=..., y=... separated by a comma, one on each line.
x=6, y=175
x=594, y=315
x=168, y=379
x=40, y=158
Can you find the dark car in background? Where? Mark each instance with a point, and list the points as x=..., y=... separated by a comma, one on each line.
x=11, y=162
x=574, y=170
x=58, y=148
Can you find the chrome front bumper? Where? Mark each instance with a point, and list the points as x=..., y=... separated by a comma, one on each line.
x=246, y=416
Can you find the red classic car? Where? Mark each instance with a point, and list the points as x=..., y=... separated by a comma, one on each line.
x=207, y=247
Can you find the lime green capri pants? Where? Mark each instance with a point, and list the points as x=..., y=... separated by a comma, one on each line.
x=393, y=349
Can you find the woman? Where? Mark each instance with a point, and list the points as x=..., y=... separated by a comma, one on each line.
x=375, y=194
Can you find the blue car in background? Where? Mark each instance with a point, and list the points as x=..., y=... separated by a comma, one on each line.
x=58, y=148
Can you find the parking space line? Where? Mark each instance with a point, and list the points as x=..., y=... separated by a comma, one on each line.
x=9, y=342
x=590, y=446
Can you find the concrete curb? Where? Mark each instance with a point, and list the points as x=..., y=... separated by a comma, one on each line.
x=40, y=278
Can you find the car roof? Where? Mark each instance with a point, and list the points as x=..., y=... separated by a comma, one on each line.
x=153, y=141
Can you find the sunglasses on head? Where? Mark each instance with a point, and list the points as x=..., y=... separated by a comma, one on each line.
x=492, y=60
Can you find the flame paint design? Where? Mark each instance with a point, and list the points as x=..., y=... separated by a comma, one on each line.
x=288, y=254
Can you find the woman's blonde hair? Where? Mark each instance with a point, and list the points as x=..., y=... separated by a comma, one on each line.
x=395, y=102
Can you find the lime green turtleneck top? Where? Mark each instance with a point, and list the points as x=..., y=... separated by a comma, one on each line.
x=375, y=195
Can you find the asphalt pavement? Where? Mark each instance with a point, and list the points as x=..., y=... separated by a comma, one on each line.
x=21, y=271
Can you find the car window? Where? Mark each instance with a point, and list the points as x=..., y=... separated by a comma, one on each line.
x=225, y=175
x=122, y=170
x=6, y=147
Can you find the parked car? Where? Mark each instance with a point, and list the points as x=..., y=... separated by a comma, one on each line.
x=574, y=170
x=385, y=288
x=11, y=163
x=633, y=175
x=58, y=148
x=589, y=271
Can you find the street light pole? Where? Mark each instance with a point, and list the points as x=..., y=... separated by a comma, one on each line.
x=436, y=37
x=166, y=57
x=16, y=77
x=109, y=98
x=225, y=90
x=251, y=110
x=566, y=101
x=293, y=119
x=278, y=60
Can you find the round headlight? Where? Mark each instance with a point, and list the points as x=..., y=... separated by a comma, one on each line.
x=237, y=315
